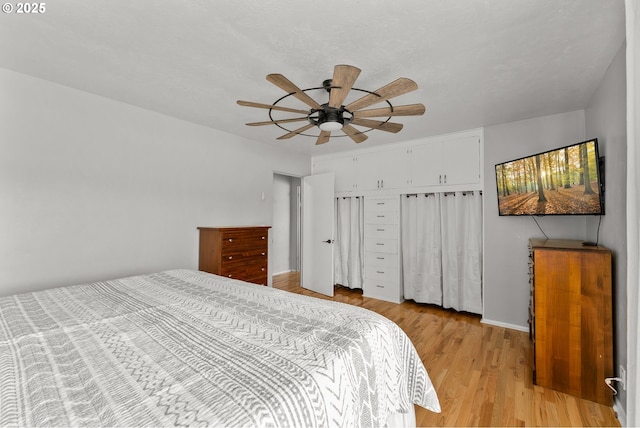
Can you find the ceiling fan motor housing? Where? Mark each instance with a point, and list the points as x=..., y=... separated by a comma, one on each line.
x=330, y=119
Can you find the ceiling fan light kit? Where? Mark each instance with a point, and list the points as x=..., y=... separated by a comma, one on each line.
x=333, y=116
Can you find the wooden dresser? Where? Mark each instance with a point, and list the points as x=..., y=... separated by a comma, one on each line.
x=235, y=252
x=571, y=318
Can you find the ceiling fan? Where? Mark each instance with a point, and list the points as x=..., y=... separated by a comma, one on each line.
x=333, y=116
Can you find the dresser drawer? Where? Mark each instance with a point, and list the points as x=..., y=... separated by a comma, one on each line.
x=381, y=260
x=381, y=230
x=381, y=245
x=247, y=252
x=381, y=217
x=389, y=205
x=382, y=290
x=243, y=269
x=383, y=274
x=239, y=240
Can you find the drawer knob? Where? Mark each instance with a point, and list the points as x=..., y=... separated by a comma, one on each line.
x=262, y=254
x=379, y=271
x=230, y=239
x=380, y=216
x=263, y=237
x=379, y=243
x=230, y=257
x=380, y=230
x=229, y=275
x=380, y=258
x=380, y=286
x=262, y=269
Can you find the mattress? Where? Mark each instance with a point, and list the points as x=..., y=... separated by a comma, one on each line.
x=189, y=348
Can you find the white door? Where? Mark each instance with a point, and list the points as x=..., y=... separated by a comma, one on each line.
x=317, y=233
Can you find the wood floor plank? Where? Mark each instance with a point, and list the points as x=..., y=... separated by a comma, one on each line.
x=482, y=373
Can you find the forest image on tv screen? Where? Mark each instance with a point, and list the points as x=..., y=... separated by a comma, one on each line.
x=562, y=181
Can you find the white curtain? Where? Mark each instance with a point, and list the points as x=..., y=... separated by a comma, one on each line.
x=633, y=211
x=421, y=248
x=461, y=214
x=349, y=242
x=442, y=249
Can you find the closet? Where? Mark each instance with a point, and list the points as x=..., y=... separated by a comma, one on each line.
x=442, y=249
x=390, y=249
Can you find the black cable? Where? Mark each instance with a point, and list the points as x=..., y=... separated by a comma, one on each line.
x=598, y=231
x=534, y=219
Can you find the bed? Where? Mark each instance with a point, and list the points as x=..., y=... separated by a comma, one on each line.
x=188, y=348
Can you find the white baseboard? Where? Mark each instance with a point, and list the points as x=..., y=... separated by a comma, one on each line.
x=620, y=412
x=284, y=271
x=505, y=325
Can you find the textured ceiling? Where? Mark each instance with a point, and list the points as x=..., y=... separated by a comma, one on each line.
x=476, y=62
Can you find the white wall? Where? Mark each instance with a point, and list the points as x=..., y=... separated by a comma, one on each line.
x=606, y=118
x=296, y=220
x=91, y=188
x=506, y=281
x=281, y=228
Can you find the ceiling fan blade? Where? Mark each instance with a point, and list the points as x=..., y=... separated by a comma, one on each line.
x=296, y=131
x=323, y=137
x=376, y=124
x=406, y=110
x=355, y=135
x=273, y=122
x=344, y=76
x=393, y=89
x=272, y=107
x=286, y=85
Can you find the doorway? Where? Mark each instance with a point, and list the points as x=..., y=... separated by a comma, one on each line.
x=285, y=228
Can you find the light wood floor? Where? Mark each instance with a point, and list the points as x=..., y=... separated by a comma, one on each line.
x=482, y=373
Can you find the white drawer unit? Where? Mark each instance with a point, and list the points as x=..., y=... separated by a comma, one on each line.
x=381, y=243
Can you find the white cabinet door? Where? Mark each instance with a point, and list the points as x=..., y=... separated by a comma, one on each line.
x=344, y=170
x=384, y=169
x=446, y=162
x=461, y=160
x=425, y=162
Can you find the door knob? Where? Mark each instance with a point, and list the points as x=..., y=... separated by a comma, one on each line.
x=329, y=241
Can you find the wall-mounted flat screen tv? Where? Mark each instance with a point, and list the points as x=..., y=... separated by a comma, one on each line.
x=564, y=181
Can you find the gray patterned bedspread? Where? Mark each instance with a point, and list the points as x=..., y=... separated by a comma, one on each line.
x=186, y=348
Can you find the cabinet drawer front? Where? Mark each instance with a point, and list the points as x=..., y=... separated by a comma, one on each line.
x=386, y=275
x=390, y=205
x=241, y=269
x=381, y=230
x=259, y=278
x=381, y=218
x=381, y=290
x=381, y=260
x=239, y=240
x=246, y=252
x=381, y=245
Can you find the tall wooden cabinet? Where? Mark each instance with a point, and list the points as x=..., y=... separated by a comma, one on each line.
x=235, y=252
x=571, y=318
